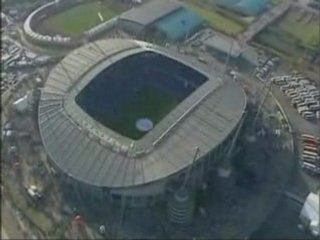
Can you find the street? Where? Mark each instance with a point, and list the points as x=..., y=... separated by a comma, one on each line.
x=10, y=228
x=4, y=234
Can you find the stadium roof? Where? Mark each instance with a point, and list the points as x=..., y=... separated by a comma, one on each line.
x=93, y=154
x=179, y=24
x=150, y=12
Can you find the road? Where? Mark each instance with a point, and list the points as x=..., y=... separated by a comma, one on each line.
x=264, y=20
x=4, y=234
x=9, y=223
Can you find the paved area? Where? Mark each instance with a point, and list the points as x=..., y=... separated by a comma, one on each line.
x=9, y=223
x=283, y=221
x=4, y=234
x=283, y=224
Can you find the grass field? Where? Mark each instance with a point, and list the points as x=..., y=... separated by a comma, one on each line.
x=308, y=32
x=149, y=102
x=291, y=36
x=216, y=19
x=273, y=39
x=75, y=20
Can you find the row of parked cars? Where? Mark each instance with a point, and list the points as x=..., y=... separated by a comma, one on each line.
x=304, y=95
x=310, y=159
x=265, y=66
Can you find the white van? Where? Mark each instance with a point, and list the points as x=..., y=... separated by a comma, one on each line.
x=304, y=82
x=311, y=167
x=309, y=153
x=315, y=94
x=302, y=90
x=285, y=87
x=296, y=101
x=311, y=149
x=303, y=109
x=290, y=91
x=303, y=104
x=315, y=107
x=310, y=102
x=310, y=87
x=279, y=81
x=308, y=115
x=293, y=94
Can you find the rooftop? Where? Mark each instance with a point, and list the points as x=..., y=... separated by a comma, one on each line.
x=224, y=44
x=150, y=12
x=179, y=24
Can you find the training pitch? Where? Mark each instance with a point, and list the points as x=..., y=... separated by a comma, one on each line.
x=75, y=20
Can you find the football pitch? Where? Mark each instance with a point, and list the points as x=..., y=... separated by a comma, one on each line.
x=293, y=34
x=75, y=20
x=149, y=102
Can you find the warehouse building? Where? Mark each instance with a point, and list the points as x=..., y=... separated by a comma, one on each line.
x=245, y=7
x=165, y=19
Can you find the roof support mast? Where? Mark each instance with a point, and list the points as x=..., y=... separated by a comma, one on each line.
x=225, y=168
x=185, y=182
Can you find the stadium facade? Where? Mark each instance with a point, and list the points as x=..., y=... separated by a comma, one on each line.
x=99, y=161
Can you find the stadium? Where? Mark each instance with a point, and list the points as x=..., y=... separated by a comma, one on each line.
x=57, y=23
x=122, y=118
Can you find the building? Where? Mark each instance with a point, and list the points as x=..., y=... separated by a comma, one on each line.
x=141, y=160
x=166, y=18
x=245, y=7
x=224, y=47
x=310, y=212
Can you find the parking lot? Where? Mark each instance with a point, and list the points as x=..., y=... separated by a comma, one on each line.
x=303, y=95
x=299, y=124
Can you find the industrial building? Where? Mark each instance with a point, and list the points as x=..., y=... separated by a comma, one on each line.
x=167, y=19
x=99, y=159
x=225, y=47
x=245, y=7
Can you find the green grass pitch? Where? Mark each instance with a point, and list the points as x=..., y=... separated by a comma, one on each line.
x=75, y=20
x=149, y=102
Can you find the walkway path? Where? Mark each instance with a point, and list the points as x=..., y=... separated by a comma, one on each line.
x=264, y=20
x=4, y=234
